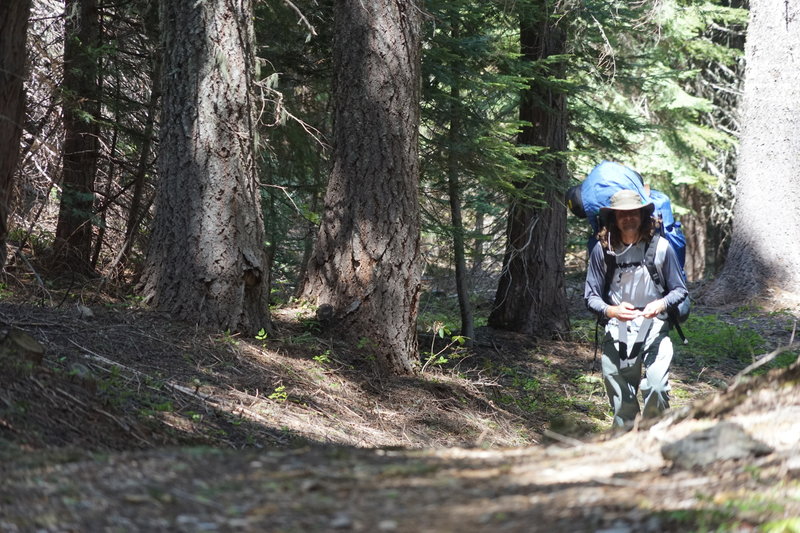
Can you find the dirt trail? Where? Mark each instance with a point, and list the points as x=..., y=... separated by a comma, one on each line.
x=132, y=423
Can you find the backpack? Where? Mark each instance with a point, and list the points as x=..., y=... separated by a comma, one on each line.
x=586, y=199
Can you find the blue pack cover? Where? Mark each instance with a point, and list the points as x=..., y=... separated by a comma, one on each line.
x=602, y=182
x=606, y=179
x=670, y=228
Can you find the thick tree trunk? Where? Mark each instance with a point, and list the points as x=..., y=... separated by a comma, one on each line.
x=531, y=296
x=207, y=261
x=13, y=32
x=763, y=259
x=365, y=262
x=81, y=131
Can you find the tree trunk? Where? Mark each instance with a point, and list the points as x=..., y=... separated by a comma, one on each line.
x=694, y=227
x=763, y=259
x=207, y=261
x=477, y=244
x=365, y=262
x=13, y=32
x=454, y=194
x=81, y=102
x=531, y=296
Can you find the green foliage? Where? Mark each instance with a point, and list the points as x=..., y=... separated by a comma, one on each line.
x=583, y=329
x=733, y=512
x=470, y=90
x=644, y=69
x=590, y=384
x=446, y=354
x=323, y=358
x=713, y=340
x=39, y=242
x=786, y=525
x=546, y=396
x=229, y=338
x=279, y=394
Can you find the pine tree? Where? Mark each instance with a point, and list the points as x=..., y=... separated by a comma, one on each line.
x=531, y=297
x=762, y=262
x=206, y=262
x=365, y=263
x=13, y=28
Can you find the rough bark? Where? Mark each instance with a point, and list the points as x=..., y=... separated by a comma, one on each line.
x=13, y=31
x=531, y=296
x=81, y=103
x=762, y=260
x=365, y=262
x=206, y=262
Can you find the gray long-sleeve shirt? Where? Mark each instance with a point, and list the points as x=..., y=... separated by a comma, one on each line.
x=632, y=282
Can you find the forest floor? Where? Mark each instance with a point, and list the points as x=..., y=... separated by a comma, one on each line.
x=133, y=422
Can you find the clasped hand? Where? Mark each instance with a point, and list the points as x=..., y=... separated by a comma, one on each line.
x=626, y=311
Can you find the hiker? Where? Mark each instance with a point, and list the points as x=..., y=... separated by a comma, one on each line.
x=622, y=292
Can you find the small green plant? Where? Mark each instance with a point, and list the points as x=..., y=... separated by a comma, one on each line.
x=261, y=335
x=196, y=417
x=583, y=330
x=323, y=358
x=229, y=338
x=113, y=389
x=163, y=407
x=441, y=357
x=279, y=394
x=526, y=383
x=304, y=338
x=365, y=342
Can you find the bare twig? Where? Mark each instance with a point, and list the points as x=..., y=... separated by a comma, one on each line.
x=766, y=359
x=302, y=17
x=563, y=438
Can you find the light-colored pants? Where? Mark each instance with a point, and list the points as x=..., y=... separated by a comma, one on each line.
x=622, y=374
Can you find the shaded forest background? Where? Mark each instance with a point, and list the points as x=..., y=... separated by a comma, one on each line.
x=655, y=86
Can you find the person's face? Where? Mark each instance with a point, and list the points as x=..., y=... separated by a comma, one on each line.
x=628, y=221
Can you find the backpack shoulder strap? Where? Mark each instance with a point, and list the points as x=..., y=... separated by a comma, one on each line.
x=611, y=267
x=650, y=262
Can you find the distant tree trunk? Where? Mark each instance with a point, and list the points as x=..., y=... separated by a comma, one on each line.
x=454, y=193
x=695, y=228
x=316, y=187
x=477, y=245
x=531, y=297
x=13, y=33
x=365, y=262
x=206, y=262
x=81, y=103
x=763, y=259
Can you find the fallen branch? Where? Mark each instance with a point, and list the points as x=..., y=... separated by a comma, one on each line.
x=563, y=438
x=768, y=358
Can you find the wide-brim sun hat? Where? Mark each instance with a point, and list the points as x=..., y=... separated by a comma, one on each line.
x=627, y=200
